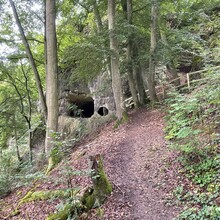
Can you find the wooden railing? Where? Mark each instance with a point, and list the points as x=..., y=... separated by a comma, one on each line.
x=163, y=88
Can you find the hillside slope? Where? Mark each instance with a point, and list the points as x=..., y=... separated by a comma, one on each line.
x=136, y=159
x=137, y=162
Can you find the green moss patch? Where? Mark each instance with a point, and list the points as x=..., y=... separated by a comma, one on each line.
x=45, y=195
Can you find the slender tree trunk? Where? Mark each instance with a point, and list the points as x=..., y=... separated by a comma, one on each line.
x=29, y=117
x=98, y=19
x=22, y=106
x=99, y=25
x=31, y=59
x=45, y=40
x=139, y=77
x=171, y=71
x=29, y=142
x=45, y=58
x=152, y=60
x=116, y=79
x=140, y=85
x=131, y=80
x=51, y=78
x=16, y=140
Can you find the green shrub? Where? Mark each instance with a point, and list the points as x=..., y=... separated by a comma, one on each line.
x=8, y=169
x=191, y=126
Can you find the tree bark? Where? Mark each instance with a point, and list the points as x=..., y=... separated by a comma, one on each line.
x=51, y=77
x=116, y=79
x=97, y=16
x=95, y=196
x=140, y=85
x=16, y=140
x=171, y=71
x=29, y=117
x=152, y=60
x=131, y=80
x=99, y=25
x=31, y=59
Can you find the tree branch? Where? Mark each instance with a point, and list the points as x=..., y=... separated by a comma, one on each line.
x=140, y=9
x=33, y=39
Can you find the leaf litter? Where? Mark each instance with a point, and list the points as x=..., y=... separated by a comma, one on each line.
x=138, y=163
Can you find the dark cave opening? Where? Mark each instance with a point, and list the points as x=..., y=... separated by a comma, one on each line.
x=80, y=106
x=103, y=111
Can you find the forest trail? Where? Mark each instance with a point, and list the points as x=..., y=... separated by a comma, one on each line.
x=137, y=162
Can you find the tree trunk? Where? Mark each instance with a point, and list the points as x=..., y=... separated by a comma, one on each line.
x=140, y=85
x=98, y=19
x=16, y=139
x=116, y=79
x=45, y=40
x=29, y=142
x=22, y=106
x=29, y=117
x=51, y=78
x=131, y=80
x=95, y=196
x=171, y=71
x=139, y=76
x=152, y=60
x=99, y=25
x=31, y=59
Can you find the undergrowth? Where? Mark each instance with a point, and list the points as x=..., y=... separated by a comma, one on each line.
x=193, y=128
x=7, y=171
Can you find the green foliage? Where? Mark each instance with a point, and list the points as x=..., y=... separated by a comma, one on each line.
x=208, y=212
x=67, y=173
x=190, y=118
x=71, y=206
x=57, y=151
x=76, y=110
x=8, y=168
x=182, y=113
x=87, y=58
x=67, y=210
x=191, y=29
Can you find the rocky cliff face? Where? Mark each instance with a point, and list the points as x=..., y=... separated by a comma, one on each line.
x=84, y=103
x=86, y=99
x=101, y=92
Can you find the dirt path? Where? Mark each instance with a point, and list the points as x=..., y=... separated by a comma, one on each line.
x=137, y=162
x=142, y=156
x=138, y=168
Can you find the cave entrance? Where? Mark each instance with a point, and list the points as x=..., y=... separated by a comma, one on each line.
x=103, y=111
x=80, y=106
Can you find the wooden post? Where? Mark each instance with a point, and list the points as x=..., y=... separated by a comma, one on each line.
x=188, y=81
